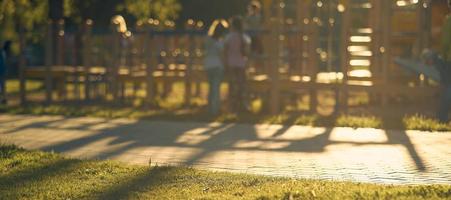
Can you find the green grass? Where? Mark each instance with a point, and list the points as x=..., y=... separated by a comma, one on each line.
x=422, y=123
x=291, y=119
x=415, y=122
x=358, y=121
x=38, y=175
x=163, y=114
x=74, y=111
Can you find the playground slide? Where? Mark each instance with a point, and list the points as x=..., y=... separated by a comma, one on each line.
x=419, y=68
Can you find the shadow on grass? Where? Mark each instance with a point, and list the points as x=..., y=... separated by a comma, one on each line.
x=145, y=181
x=19, y=180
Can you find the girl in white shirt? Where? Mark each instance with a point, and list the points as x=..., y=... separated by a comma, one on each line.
x=214, y=65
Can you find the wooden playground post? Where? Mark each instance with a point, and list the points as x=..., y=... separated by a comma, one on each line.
x=87, y=57
x=165, y=61
x=309, y=39
x=116, y=59
x=151, y=64
x=189, y=67
x=385, y=47
x=421, y=14
x=198, y=39
x=170, y=61
x=49, y=53
x=59, y=51
x=375, y=23
x=424, y=26
x=139, y=51
x=60, y=43
x=312, y=63
x=75, y=73
x=276, y=31
x=22, y=66
x=344, y=54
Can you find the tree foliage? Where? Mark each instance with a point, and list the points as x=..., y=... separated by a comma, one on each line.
x=159, y=9
x=33, y=14
x=26, y=13
x=135, y=9
x=29, y=13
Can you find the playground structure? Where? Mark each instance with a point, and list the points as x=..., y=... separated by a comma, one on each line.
x=337, y=45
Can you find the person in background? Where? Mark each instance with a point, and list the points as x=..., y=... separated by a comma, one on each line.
x=253, y=22
x=445, y=69
x=236, y=48
x=4, y=52
x=214, y=64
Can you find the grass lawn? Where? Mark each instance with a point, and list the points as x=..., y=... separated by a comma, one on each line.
x=171, y=108
x=183, y=114
x=358, y=121
x=38, y=175
x=409, y=122
x=418, y=122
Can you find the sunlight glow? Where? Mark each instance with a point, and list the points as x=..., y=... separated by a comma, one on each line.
x=367, y=5
x=360, y=73
x=401, y=3
x=261, y=144
x=364, y=135
x=300, y=78
x=341, y=8
x=201, y=134
x=358, y=48
x=362, y=53
x=360, y=62
x=365, y=30
x=328, y=77
x=360, y=39
x=360, y=83
x=261, y=77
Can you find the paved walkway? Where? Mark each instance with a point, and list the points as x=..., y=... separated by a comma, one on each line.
x=364, y=155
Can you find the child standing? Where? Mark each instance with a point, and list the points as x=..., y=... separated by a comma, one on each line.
x=3, y=67
x=236, y=50
x=214, y=65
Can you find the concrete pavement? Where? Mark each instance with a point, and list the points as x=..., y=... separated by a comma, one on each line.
x=363, y=155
